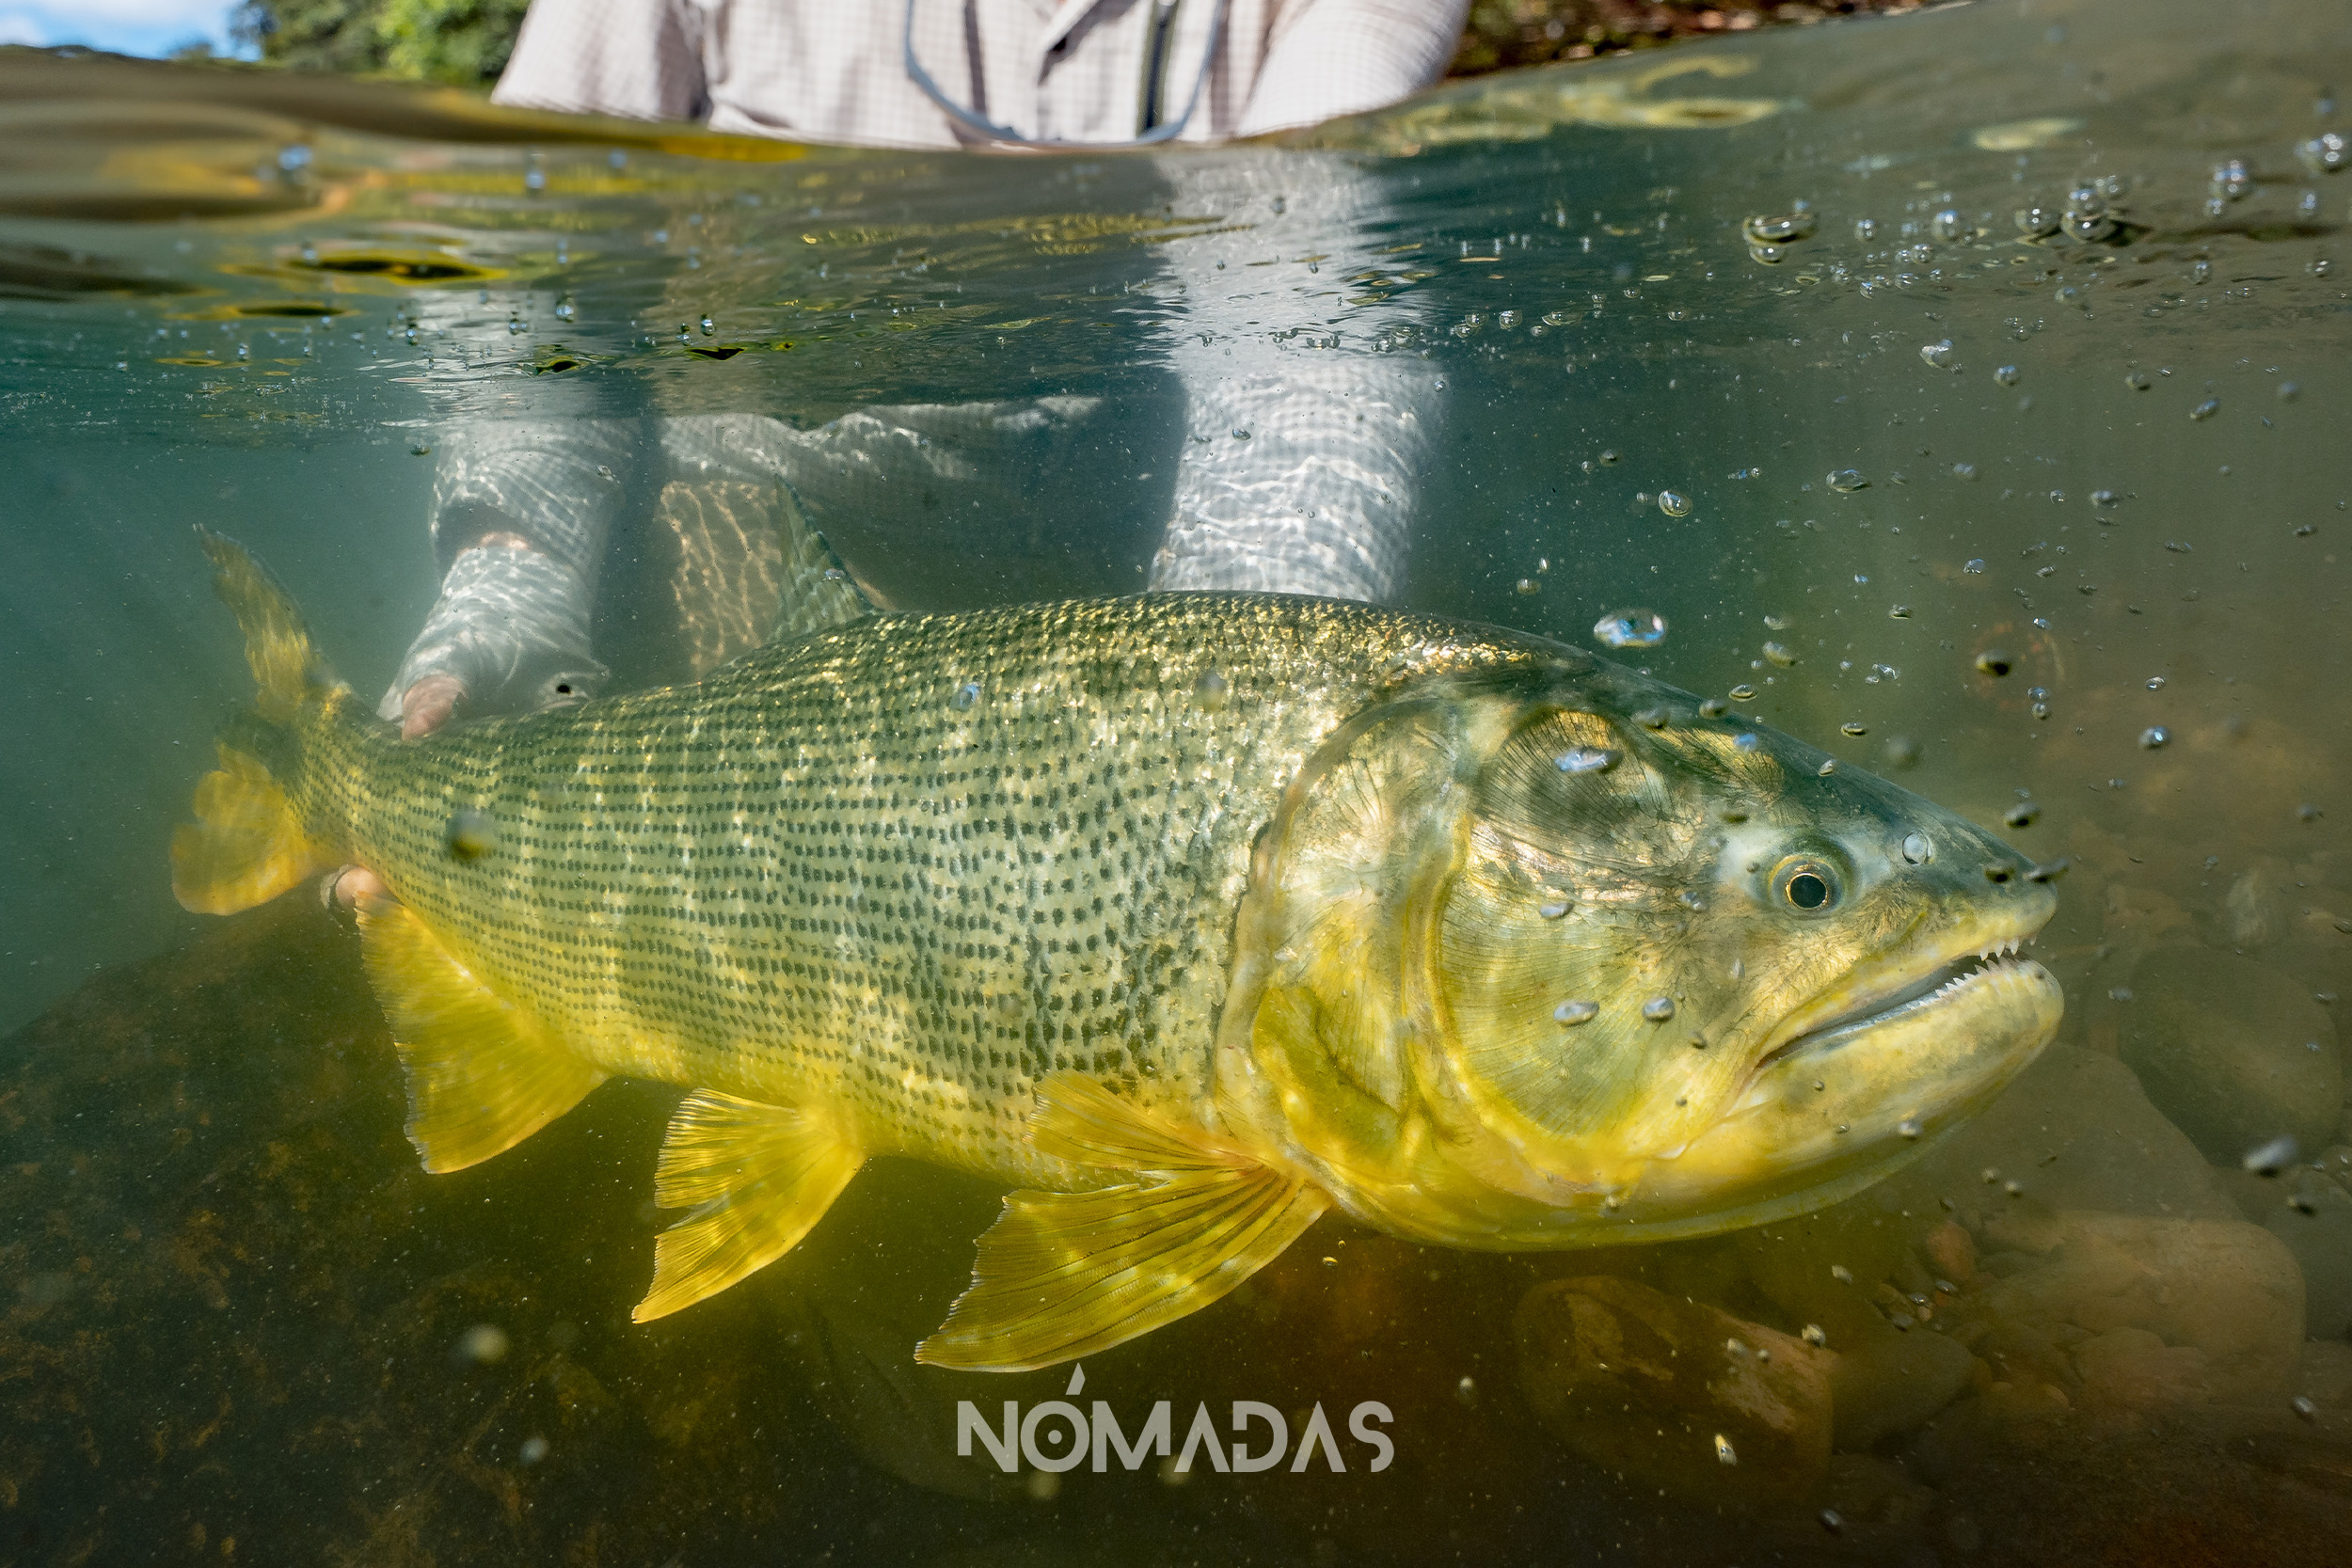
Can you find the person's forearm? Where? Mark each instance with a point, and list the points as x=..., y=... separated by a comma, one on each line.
x=521, y=510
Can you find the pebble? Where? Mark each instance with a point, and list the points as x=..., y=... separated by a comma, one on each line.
x=1640, y=1382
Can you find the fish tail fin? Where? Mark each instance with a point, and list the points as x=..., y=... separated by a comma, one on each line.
x=482, y=1075
x=758, y=1178
x=1065, y=1275
x=248, y=842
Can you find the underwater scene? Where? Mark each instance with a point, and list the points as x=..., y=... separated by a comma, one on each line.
x=1719, y=939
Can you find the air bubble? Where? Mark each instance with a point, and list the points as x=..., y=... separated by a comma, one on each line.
x=1573, y=1013
x=1908, y=1128
x=1657, y=1009
x=1779, y=230
x=1778, y=653
x=2154, y=735
x=2106, y=501
x=1743, y=693
x=1212, y=691
x=2324, y=153
x=2206, y=409
x=1586, y=759
x=1630, y=628
x=2037, y=222
x=2138, y=381
x=1855, y=727
x=1939, y=355
x=1994, y=663
x=1811, y=1334
x=1899, y=612
x=1917, y=850
x=1527, y=587
x=1948, y=226
x=1723, y=1449
x=1847, y=481
x=965, y=695
x=1674, y=505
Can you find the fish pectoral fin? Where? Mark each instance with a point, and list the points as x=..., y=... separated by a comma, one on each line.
x=1065, y=1275
x=758, y=1178
x=482, y=1075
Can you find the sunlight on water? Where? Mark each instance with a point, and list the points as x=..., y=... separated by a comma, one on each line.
x=1966, y=393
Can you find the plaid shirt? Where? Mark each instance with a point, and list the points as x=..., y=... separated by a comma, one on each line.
x=1102, y=70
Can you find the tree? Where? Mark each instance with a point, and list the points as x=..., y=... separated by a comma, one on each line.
x=461, y=42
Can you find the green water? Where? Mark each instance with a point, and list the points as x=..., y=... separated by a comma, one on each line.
x=2125, y=476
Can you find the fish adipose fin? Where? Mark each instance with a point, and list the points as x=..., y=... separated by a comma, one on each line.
x=1065, y=1275
x=757, y=1177
x=482, y=1075
x=248, y=844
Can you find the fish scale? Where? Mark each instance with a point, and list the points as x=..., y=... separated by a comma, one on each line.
x=816, y=874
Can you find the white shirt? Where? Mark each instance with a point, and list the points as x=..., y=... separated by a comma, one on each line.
x=834, y=71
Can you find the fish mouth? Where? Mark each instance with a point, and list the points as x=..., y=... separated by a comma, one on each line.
x=1936, y=978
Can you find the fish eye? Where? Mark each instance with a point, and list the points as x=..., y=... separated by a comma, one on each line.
x=1805, y=886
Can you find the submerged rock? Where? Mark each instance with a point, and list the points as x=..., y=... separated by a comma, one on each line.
x=2124, y=1312
x=1657, y=1389
x=2314, y=1217
x=2235, y=1052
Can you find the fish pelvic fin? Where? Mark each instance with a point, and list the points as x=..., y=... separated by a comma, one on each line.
x=756, y=1178
x=482, y=1075
x=1065, y=1275
x=248, y=842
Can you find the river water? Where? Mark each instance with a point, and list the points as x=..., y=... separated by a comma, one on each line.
x=1956, y=387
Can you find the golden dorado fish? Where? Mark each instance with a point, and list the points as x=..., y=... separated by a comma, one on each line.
x=1189, y=916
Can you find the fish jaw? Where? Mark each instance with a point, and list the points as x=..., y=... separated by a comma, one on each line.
x=1839, y=1107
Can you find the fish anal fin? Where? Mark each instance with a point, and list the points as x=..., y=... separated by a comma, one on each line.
x=482, y=1075
x=1065, y=1275
x=247, y=845
x=758, y=1178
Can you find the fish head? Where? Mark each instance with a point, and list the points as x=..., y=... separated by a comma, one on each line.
x=1574, y=958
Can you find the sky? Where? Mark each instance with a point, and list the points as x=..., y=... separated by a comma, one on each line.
x=125, y=27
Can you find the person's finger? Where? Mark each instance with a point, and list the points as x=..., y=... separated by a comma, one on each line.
x=343, y=887
x=426, y=706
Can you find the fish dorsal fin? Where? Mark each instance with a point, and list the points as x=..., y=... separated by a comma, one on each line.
x=819, y=592
x=758, y=1178
x=1065, y=1275
x=482, y=1076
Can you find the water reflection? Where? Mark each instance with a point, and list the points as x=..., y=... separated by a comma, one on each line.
x=2080, y=1326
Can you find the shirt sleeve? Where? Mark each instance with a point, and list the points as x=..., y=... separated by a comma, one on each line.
x=635, y=60
x=1331, y=58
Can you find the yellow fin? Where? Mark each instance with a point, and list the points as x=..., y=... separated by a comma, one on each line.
x=1065, y=1275
x=247, y=846
x=482, y=1076
x=757, y=1176
x=286, y=664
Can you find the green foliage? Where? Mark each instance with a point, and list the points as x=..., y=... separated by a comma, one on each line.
x=461, y=42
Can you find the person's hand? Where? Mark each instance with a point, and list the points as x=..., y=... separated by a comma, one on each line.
x=428, y=706
x=342, y=888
